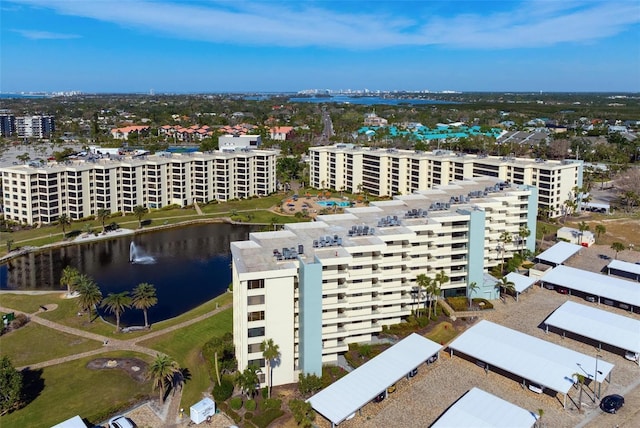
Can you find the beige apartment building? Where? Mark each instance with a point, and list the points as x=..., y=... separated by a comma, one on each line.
x=389, y=172
x=316, y=287
x=36, y=194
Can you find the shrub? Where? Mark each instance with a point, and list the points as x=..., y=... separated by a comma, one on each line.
x=19, y=321
x=227, y=411
x=264, y=420
x=423, y=321
x=303, y=413
x=270, y=404
x=265, y=393
x=487, y=304
x=309, y=383
x=248, y=415
x=250, y=405
x=223, y=391
x=235, y=403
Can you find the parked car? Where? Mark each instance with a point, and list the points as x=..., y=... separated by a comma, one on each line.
x=380, y=397
x=612, y=403
x=412, y=373
x=432, y=359
x=538, y=389
x=549, y=286
x=591, y=299
x=391, y=389
x=120, y=422
x=562, y=290
x=632, y=356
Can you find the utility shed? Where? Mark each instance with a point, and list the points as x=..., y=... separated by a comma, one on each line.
x=347, y=395
x=479, y=409
x=543, y=364
x=596, y=324
x=559, y=253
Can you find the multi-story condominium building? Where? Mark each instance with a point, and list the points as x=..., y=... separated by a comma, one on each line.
x=35, y=126
x=39, y=194
x=7, y=124
x=384, y=172
x=316, y=287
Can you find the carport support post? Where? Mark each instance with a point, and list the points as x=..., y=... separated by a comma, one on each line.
x=564, y=404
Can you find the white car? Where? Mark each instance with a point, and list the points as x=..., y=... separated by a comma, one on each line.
x=120, y=422
x=631, y=356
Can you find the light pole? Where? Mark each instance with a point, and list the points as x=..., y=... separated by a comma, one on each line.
x=596, y=380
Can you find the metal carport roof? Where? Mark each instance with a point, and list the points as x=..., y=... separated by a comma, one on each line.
x=595, y=284
x=559, y=253
x=521, y=282
x=626, y=267
x=348, y=394
x=596, y=324
x=541, y=362
x=479, y=409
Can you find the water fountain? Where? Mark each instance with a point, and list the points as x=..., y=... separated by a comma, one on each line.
x=137, y=256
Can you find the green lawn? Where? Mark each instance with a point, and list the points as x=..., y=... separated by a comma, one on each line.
x=185, y=347
x=27, y=302
x=62, y=391
x=34, y=343
x=443, y=333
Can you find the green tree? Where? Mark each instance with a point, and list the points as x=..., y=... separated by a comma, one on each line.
x=248, y=380
x=309, y=383
x=144, y=297
x=471, y=288
x=583, y=227
x=523, y=233
x=24, y=158
x=161, y=372
x=440, y=279
x=544, y=229
x=600, y=230
x=303, y=413
x=617, y=247
x=90, y=294
x=116, y=303
x=69, y=278
x=271, y=353
x=506, y=285
x=505, y=238
x=425, y=283
x=10, y=386
x=102, y=215
x=139, y=211
x=64, y=221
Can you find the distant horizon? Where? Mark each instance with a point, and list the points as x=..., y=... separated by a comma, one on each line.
x=254, y=46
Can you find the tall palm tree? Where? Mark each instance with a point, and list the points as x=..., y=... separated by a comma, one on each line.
x=600, y=230
x=505, y=238
x=139, y=211
x=270, y=352
x=617, y=247
x=144, y=297
x=544, y=229
x=90, y=294
x=523, y=233
x=161, y=371
x=69, y=278
x=440, y=279
x=116, y=304
x=102, y=215
x=425, y=282
x=471, y=288
x=248, y=380
x=64, y=221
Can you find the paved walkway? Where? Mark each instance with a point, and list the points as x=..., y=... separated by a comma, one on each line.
x=170, y=412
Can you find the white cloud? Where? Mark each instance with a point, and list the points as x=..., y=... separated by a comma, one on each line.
x=44, y=35
x=298, y=24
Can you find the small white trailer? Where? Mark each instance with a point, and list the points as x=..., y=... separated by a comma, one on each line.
x=202, y=410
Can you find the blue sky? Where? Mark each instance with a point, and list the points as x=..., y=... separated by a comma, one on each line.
x=236, y=45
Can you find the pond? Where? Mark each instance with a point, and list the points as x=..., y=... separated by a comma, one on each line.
x=187, y=265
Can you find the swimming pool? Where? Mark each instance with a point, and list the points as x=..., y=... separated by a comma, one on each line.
x=332, y=203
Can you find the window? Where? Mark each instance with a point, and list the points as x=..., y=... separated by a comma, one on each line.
x=255, y=316
x=255, y=300
x=255, y=332
x=254, y=347
x=255, y=283
x=258, y=363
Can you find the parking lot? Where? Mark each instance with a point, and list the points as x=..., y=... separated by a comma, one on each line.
x=419, y=401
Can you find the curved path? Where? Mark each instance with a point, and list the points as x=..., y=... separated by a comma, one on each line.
x=172, y=404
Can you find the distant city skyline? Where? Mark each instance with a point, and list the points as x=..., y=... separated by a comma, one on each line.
x=122, y=46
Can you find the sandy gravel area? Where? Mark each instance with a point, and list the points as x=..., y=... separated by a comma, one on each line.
x=420, y=401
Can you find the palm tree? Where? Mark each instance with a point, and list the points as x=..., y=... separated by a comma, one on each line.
x=248, y=380
x=64, y=221
x=583, y=227
x=523, y=233
x=600, y=230
x=116, y=304
x=505, y=238
x=471, y=288
x=426, y=283
x=270, y=352
x=102, y=215
x=161, y=371
x=69, y=278
x=440, y=279
x=144, y=297
x=544, y=229
x=90, y=294
x=139, y=211
x=617, y=247
x=506, y=285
